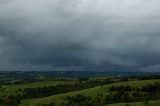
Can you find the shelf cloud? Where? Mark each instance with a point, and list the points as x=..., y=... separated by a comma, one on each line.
x=79, y=35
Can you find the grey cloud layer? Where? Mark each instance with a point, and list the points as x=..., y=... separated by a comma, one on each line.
x=79, y=34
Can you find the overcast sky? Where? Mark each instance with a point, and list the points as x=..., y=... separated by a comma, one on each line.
x=80, y=35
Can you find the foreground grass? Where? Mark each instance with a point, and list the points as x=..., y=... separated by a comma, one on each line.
x=153, y=102
x=90, y=92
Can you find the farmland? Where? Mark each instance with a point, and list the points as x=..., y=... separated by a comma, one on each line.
x=115, y=90
x=88, y=92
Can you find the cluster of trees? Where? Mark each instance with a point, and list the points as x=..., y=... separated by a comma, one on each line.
x=50, y=104
x=118, y=97
x=121, y=88
x=150, y=88
x=148, y=77
x=127, y=93
x=10, y=101
x=81, y=100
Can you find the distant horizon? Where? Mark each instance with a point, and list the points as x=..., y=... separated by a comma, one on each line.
x=82, y=71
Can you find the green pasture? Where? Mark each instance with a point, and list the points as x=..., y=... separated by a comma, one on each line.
x=90, y=92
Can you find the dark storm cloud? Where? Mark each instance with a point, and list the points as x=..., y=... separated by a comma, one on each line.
x=79, y=34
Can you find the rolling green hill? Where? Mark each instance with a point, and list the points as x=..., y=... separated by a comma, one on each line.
x=11, y=89
x=57, y=99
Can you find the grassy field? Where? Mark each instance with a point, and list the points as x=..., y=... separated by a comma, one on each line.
x=11, y=89
x=90, y=92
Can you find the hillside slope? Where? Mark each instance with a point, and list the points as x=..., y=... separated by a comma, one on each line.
x=89, y=92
